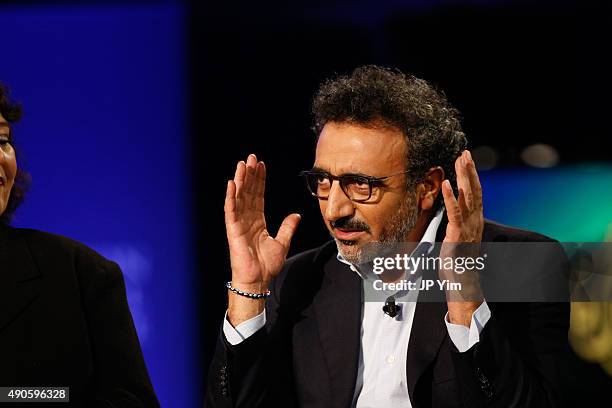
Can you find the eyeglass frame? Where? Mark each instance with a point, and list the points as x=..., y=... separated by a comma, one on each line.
x=370, y=179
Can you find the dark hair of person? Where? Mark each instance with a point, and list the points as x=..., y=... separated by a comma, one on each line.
x=374, y=96
x=11, y=111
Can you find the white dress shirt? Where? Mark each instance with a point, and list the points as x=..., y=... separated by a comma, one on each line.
x=381, y=377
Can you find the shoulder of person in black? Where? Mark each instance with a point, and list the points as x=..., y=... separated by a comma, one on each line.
x=65, y=321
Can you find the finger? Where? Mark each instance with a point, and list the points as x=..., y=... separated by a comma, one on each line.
x=452, y=207
x=461, y=201
x=239, y=183
x=239, y=176
x=250, y=175
x=463, y=182
x=287, y=229
x=474, y=181
x=260, y=175
x=230, y=202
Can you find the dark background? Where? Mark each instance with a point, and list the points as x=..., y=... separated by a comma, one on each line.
x=520, y=72
x=212, y=81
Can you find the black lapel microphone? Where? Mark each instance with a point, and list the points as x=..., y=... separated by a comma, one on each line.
x=390, y=308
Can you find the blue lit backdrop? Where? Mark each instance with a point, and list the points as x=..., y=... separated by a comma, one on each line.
x=105, y=138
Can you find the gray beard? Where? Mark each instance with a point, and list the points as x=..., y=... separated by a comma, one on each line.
x=395, y=231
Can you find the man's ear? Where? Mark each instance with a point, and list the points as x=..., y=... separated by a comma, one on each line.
x=429, y=188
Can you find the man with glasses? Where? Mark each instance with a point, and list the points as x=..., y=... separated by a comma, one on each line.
x=390, y=167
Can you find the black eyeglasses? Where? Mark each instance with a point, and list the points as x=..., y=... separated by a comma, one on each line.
x=358, y=188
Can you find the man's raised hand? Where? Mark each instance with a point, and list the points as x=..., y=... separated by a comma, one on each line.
x=462, y=239
x=256, y=257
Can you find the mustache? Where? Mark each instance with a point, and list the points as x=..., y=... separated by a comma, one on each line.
x=350, y=224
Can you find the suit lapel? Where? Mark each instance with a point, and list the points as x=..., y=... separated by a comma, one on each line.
x=428, y=332
x=337, y=309
x=19, y=276
x=428, y=328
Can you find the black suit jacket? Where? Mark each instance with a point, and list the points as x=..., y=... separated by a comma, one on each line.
x=65, y=321
x=307, y=355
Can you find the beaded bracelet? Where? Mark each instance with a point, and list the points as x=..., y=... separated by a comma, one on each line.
x=247, y=294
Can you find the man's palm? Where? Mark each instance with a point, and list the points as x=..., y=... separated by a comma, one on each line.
x=256, y=257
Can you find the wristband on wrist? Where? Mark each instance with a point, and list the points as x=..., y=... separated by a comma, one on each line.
x=247, y=294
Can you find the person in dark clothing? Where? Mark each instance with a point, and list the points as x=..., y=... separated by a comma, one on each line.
x=64, y=316
x=391, y=166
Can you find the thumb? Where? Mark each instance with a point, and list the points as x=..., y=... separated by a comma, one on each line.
x=287, y=229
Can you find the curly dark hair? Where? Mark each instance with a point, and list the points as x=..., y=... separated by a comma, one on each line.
x=375, y=96
x=12, y=111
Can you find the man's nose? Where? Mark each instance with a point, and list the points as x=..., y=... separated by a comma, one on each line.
x=338, y=204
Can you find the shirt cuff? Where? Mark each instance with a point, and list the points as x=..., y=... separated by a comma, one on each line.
x=463, y=337
x=236, y=335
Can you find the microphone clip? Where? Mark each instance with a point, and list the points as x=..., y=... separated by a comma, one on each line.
x=390, y=308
